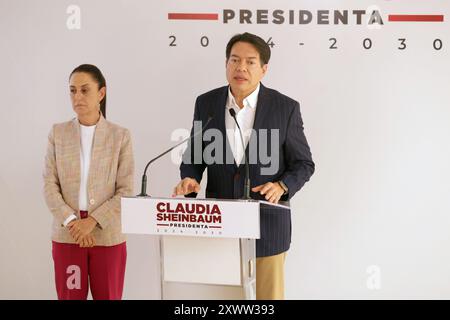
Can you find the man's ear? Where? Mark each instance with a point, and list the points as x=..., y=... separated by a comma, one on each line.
x=265, y=67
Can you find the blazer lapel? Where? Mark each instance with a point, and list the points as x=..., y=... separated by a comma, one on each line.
x=220, y=109
x=98, y=147
x=219, y=112
x=262, y=110
x=75, y=156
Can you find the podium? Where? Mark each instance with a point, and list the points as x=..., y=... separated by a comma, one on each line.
x=202, y=241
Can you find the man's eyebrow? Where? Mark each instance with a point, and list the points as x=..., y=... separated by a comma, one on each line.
x=233, y=55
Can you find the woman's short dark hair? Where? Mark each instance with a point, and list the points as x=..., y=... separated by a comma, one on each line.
x=98, y=77
x=260, y=45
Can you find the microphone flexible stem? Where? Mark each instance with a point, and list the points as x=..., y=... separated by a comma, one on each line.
x=144, y=176
x=247, y=171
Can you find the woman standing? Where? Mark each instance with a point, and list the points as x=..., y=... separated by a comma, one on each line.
x=89, y=166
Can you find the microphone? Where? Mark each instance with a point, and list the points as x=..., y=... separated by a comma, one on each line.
x=144, y=176
x=247, y=170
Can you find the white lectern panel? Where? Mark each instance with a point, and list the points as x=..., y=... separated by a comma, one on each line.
x=202, y=260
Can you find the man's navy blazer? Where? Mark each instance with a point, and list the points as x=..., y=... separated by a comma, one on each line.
x=226, y=180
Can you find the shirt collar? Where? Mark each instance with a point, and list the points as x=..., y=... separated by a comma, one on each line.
x=250, y=101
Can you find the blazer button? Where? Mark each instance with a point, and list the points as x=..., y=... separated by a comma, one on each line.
x=236, y=176
x=92, y=201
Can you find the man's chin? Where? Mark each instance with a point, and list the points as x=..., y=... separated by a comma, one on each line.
x=241, y=86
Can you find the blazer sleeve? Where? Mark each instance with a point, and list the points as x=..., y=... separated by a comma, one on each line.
x=110, y=210
x=191, y=166
x=52, y=187
x=299, y=164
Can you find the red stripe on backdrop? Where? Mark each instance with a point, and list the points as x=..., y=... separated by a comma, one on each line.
x=416, y=18
x=193, y=16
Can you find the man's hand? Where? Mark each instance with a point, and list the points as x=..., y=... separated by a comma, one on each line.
x=186, y=186
x=79, y=229
x=272, y=191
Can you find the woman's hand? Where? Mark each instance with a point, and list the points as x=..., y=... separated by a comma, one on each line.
x=79, y=229
x=88, y=241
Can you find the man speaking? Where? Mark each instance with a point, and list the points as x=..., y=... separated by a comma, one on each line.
x=268, y=120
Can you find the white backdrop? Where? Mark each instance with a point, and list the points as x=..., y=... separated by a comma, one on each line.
x=373, y=221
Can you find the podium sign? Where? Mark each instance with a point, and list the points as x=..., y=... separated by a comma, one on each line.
x=191, y=217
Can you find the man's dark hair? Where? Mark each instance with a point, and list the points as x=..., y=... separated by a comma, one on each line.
x=260, y=45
